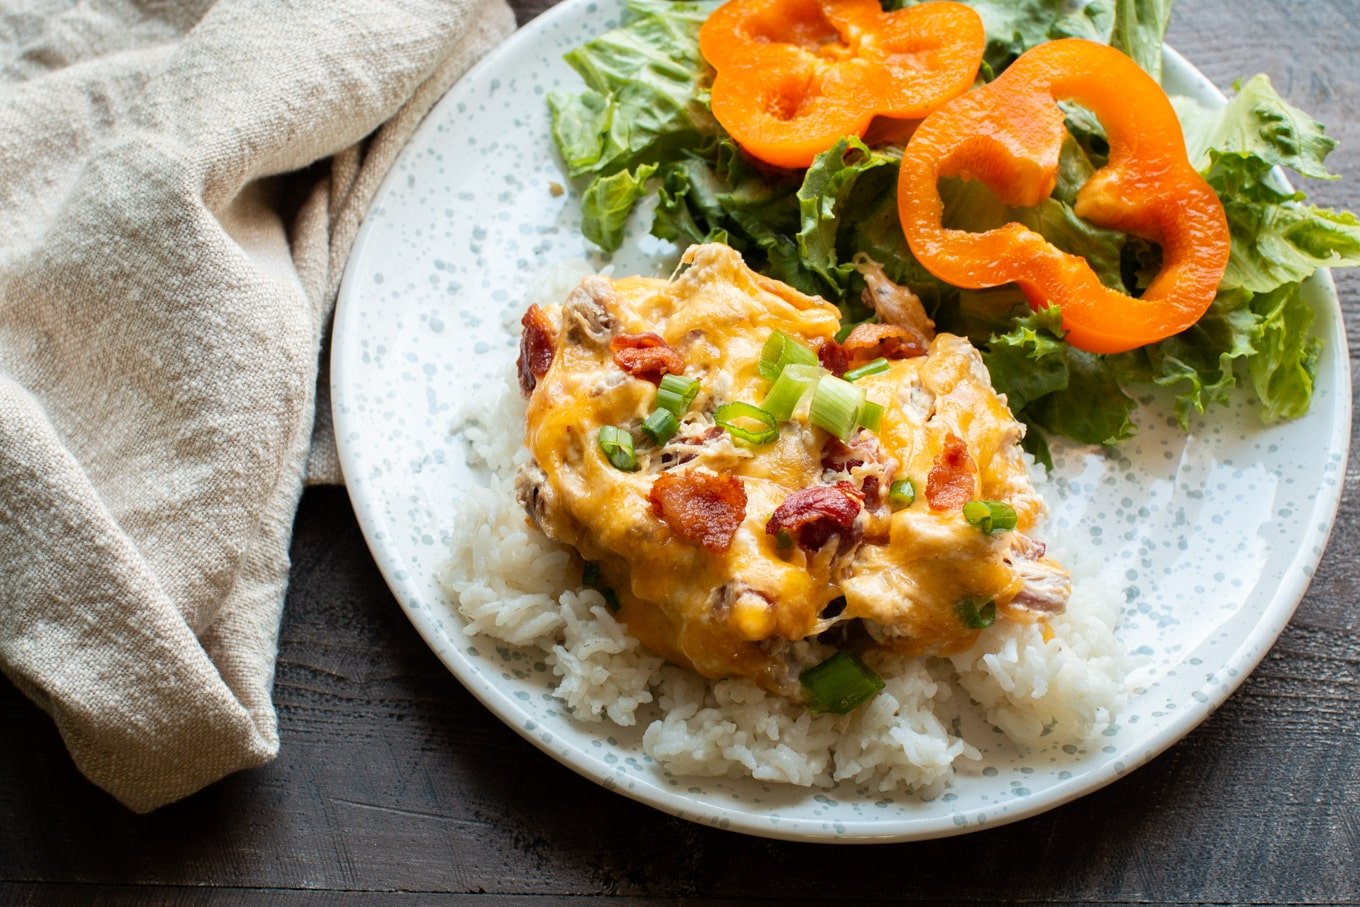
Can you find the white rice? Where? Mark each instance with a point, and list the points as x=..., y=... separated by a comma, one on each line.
x=512, y=583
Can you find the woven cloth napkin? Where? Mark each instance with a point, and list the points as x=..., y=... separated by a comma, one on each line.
x=179, y=187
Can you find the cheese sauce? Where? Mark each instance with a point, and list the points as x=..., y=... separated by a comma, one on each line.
x=747, y=610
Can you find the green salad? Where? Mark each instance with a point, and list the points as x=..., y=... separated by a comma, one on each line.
x=642, y=126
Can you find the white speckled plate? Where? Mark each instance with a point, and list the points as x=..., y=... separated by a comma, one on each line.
x=1212, y=538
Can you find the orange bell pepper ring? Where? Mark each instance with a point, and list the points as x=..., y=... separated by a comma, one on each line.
x=794, y=76
x=1009, y=133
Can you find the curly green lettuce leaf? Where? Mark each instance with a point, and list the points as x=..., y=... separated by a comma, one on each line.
x=1286, y=358
x=829, y=181
x=644, y=103
x=1284, y=243
x=1054, y=387
x=1256, y=126
x=1139, y=29
x=1092, y=409
x=1264, y=338
x=870, y=225
x=1199, y=363
x=689, y=204
x=1259, y=327
x=608, y=201
x=767, y=213
x=791, y=226
x=644, y=92
x=1029, y=362
x=579, y=124
x=717, y=195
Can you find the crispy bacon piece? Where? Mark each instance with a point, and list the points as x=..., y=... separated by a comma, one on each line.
x=833, y=357
x=863, y=449
x=870, y=341
x=645, y=356
x=536, y=349
x=699, y=507
x=813, y=515
x=950, y=483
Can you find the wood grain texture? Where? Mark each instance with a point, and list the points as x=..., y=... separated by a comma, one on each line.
x=393, y=786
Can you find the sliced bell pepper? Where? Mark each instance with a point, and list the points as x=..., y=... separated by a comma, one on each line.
x=1008, y=134
x=794, y=76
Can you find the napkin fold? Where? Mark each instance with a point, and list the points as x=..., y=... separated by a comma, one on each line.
x=179, y=187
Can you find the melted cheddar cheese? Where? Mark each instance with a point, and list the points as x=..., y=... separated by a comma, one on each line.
x=755, y=609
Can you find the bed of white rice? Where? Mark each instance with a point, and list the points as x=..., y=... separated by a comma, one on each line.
x=511, y=583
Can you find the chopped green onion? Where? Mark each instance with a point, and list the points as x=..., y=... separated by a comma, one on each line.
x=836, y=406
x=789, y=389
x=839, y=684
x=781, y=350
x=902, y=494
x=876, y=367
x=975, y=616
x=783, y=540
x=990, y=516
x=617, y=445
x=676, y=393
x=871, y=416
x=660, y=426
x=728, y=413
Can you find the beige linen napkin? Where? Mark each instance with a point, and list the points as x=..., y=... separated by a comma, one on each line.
x=179, y=187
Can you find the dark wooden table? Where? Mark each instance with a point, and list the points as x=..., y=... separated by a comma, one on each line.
x=393, y=786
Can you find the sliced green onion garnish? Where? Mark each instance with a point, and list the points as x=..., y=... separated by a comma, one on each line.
x=789, y=389
x=871, y=416
x=839, y=684
x=875, y=367
x=660, y=426
x=990, y=516
x=901, y=494
x=975, y=613
x=617, y=445
x=836, y=406
x=845, y=330
x=783, y=540
x=781, y=350
x=676, y=393
x=765, y=431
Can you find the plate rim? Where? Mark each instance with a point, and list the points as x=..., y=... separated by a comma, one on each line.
x=1245, y=658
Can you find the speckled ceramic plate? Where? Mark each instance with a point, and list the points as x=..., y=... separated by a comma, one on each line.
x=1211, y=538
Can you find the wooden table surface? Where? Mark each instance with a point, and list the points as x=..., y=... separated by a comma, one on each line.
x=394, y=786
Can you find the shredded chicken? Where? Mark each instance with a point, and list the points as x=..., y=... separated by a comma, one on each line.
x=587, y=311
x=893, y=303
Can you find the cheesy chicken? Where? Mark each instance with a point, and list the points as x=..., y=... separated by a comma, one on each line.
x=759, y=556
